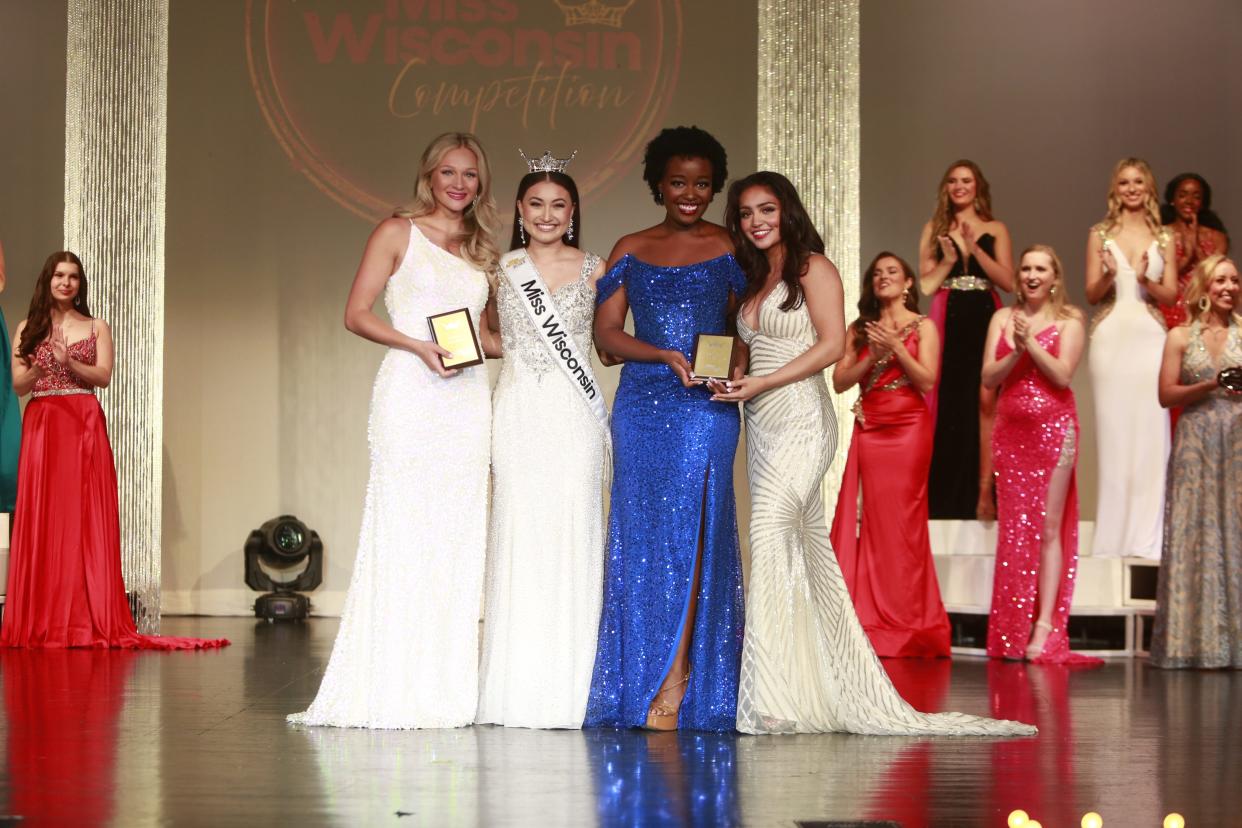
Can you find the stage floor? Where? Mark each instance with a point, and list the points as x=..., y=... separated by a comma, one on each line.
x=134, y=739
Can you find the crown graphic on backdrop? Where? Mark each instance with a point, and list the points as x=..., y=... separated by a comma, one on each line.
x=593, y=13
x=547, y=162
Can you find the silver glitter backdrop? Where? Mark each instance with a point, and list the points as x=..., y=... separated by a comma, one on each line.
x=115, y=128
x=809, y=131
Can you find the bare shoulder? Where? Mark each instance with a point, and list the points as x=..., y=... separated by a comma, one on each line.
x=631, y=244
x=1002, y=314
x=819, y=266
x=996, y=227
x=1073, y=313
x=1179, y=336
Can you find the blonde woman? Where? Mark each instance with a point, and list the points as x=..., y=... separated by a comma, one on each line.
x=1131, y=266
x=1032, y=352
x=406, y=655
x=1197, y=618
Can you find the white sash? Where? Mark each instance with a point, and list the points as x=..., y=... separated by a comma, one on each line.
x=542, y=311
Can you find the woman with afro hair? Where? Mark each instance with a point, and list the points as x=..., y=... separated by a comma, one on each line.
x=670, y=634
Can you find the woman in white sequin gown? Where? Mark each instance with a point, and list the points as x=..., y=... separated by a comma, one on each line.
x=545, y=546
x=406, y=655
x=1131, y=265
x=807, y=664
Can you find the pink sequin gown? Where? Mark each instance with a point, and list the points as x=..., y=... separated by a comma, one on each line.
x=1036, y=428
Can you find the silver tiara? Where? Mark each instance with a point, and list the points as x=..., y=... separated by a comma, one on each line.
x=547, y=163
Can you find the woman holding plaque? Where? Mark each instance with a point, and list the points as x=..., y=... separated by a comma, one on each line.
x=1198, y=623
x=807, y=666
x=964, y=255
x=545, y=553
x=893, y=353
x=670, y=632
x=1131, y=265
x=65, y=587
x=1032, y=353
x=406, y=655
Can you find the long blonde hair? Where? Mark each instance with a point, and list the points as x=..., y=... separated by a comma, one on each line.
x=1060, y=310
x=1151, y=205
x=942, y=219
x=482, y=219
x=1197, y=288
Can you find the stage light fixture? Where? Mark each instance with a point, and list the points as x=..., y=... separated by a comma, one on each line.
x=283, y=556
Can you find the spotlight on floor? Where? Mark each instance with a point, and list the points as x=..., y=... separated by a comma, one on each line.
x=282, y=556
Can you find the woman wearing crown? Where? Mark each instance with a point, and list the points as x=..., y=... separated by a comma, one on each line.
x=549, y=443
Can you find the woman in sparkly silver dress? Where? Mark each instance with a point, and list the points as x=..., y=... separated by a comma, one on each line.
x=1198, y=623
x=545, y=553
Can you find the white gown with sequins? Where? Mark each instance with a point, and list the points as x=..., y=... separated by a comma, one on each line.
x=545, y=553
x=406, y=655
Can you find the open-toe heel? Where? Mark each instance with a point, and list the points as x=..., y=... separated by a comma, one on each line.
x=1034, y=651
x=662, y=715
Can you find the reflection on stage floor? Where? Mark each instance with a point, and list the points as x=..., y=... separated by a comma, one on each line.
x=199, y=738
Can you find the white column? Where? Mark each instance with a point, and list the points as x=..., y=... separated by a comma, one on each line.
x=809, y=132
x=115, y=128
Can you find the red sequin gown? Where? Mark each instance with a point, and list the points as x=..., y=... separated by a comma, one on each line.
x=1036, y=430
x=886, y=556
x=65, y=587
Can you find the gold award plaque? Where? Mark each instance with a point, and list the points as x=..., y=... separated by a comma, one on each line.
x=713, y=357
x=454, y=331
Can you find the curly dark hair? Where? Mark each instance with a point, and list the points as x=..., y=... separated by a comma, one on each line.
x=798, y=236
x=869, y=304
x=531, y=179
x=1207, y=216
x=683, y=142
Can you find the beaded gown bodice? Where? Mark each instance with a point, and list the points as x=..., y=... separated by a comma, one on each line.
x=524, y=347
x=1198, y=365
x=57, y=379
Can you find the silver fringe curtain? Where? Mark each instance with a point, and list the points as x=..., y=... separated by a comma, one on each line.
x=809, y=131
x=115, y=127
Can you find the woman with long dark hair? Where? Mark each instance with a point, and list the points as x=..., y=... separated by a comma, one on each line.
x=964, y=255
x=545, y=552
x=406, y=654
x=807, y=665
x=65, y=586
x=670, y=634
x=893, y=354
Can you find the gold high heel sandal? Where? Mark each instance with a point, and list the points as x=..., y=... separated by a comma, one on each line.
x=661, y=716
x=1032, y=651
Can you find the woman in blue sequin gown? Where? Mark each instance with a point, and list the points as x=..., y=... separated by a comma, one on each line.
x=670, y=635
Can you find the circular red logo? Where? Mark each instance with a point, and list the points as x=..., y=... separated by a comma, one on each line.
x=352, y=91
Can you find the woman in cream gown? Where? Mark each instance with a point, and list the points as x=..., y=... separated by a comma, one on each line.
x=807, y=665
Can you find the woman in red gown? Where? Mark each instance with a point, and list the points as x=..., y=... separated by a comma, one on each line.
x=894, y=354
x=65, y=587
x=1032, y=351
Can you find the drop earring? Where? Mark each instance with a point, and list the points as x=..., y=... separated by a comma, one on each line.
x=1204, y=304
x=569, y=234
x=521, y=231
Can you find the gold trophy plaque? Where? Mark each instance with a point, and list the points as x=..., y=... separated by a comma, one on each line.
x=454, y=331
x=713, y=357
